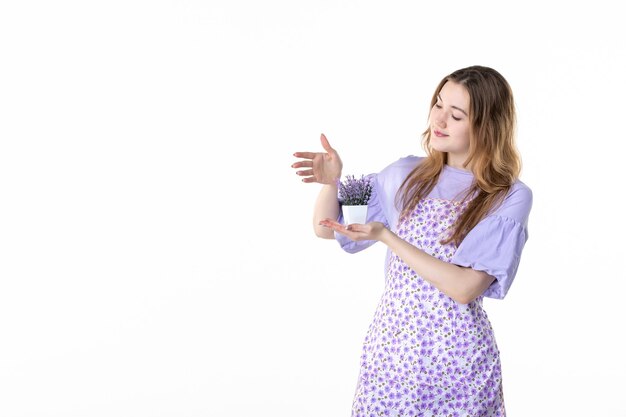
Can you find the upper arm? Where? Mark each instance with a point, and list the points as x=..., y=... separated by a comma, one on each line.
x=494, y=246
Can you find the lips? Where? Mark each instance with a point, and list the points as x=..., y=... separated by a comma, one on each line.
x=440, y=134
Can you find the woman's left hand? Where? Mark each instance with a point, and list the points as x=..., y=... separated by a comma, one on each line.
x=369, y=231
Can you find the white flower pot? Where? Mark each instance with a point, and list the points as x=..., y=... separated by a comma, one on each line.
x=354, y=214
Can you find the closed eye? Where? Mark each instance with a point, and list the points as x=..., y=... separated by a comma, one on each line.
x=439, y=106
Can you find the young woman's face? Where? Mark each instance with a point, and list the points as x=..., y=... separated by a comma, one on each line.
x=449, y=123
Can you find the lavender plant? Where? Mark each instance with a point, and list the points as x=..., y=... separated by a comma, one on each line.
x=354, y=191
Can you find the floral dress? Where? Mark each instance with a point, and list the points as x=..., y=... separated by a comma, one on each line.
x=425, y=354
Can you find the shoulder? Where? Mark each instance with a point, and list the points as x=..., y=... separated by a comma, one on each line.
x=389, y=180
x=517, y=203
x=520, y=193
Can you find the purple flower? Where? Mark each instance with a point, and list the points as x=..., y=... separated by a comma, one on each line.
x=354, y=191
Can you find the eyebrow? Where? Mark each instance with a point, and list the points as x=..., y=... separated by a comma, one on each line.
x=454, y=107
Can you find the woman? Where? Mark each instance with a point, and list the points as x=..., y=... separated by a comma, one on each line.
x=455, y=224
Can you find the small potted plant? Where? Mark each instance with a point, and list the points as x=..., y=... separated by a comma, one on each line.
x=354, y=194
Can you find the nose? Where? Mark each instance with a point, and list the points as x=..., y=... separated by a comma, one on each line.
x=440, y=121
x=438, y=116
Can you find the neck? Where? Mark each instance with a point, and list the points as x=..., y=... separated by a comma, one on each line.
x=456, y=162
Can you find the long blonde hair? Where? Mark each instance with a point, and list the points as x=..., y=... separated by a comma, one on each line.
x=493, y=157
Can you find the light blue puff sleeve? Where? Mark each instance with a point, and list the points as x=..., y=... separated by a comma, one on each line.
x=495, y=244
x=375, y=213
x=495, y=247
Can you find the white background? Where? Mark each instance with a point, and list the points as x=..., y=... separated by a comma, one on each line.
x=156, y=250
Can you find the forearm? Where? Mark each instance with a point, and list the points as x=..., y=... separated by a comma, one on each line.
x=461, y=284
x=326, y=207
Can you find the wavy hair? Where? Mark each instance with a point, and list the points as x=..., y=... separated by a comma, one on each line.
x=493, y=156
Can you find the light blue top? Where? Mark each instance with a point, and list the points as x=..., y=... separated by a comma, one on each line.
x=494, y=245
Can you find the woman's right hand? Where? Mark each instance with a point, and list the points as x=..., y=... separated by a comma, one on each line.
x=321, y=167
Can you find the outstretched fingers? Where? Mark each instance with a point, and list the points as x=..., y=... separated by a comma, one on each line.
x=310, y=179
x=339, y=228
x=305, y=172
x=302, y=164
x=304, y=155
x=326, y=144
x=353, y=231
x=333, y=224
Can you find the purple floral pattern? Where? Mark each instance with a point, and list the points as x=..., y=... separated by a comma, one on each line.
x=424, y=354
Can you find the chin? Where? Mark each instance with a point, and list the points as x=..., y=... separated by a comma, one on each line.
x=438, y=146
